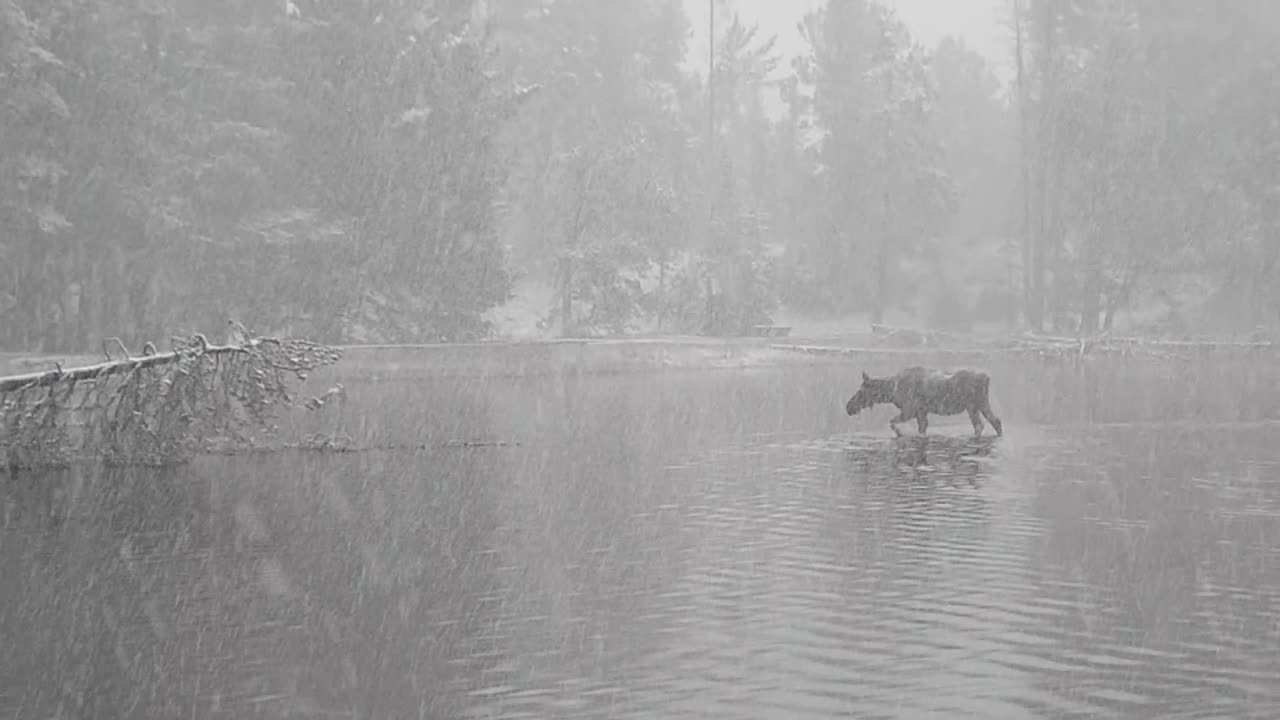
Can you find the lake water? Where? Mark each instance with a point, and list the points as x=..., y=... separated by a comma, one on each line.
x=682, y=545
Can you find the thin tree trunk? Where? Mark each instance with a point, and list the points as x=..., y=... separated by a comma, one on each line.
x=566, y=297
x=1024, y=102
x=1046, y=154
x=1091, y=286
x=1090, y=303
x=1120, y=300
x=662, y=292
x=712, y=165
x=882, y=266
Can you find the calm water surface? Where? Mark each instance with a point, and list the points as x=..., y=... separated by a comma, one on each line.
x=699, y=545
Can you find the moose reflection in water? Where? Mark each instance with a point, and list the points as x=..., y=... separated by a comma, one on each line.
x=949, y=459
x=918, y=391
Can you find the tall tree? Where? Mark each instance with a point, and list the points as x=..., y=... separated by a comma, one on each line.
x=1146, y=138
x=887, y=191
x=975, y=263
x=602, y=172
x=304, y=166
x=34, y=121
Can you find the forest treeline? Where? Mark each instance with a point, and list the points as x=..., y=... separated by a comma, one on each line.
x=387, y=170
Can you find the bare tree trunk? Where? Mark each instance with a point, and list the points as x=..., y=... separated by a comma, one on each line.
x=96, y=295
x=1091, y=285
x=1046, y=156
x=1024, y=111
x=1117, y=297
x=1090, y=302
x=878, y=303
x=576, y=230
x=1121, y=299
x=29, y=285
x=1038, y=160
x=662, y=292
x=566, y=297
x=712, y=166
x=881, y=299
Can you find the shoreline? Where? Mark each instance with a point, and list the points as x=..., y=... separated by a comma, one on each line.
x=578, y=356
x=511, y=358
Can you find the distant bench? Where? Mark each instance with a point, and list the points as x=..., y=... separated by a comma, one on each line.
x=771, y=330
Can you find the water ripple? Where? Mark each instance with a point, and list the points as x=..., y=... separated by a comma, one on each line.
x=831, y=578
x=648, y=554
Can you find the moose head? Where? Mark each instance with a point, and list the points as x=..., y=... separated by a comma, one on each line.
x=871, y=392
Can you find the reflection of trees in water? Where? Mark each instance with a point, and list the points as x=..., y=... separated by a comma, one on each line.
x=247, y=588
x=1144, y=553
x=596, y=509
x=388, y=555
x=913, y=527
x=102, y=571
x=949, y=460
x=388, y=569
x=934, y=459
x=410, y=413
x=591, y=516
x=905, y=499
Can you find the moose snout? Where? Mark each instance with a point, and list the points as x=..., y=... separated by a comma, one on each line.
x=849, y=409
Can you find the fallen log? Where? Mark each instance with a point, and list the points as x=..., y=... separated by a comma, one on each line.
x=111, y=367
x=159, y=408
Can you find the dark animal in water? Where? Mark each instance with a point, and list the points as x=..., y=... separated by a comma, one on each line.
x=918, y=391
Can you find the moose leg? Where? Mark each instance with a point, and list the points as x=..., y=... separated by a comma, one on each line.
x=976, y=419
x=991, y=418
x=922, y=422
x=893, y=423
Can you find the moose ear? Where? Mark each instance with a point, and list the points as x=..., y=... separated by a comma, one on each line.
x=865, y=377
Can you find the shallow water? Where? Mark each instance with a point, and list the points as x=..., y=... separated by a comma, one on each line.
x=694, y=545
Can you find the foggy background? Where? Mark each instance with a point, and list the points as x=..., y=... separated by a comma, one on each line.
x=405, y=172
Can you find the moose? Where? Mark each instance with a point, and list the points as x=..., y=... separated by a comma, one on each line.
x=918, y=391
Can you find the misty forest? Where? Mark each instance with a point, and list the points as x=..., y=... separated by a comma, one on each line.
x=401, y=172
x=595, y=359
